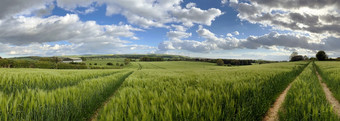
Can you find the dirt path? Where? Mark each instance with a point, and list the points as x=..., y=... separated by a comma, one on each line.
x=95, y=115
x=272, y=114
x=331, y=99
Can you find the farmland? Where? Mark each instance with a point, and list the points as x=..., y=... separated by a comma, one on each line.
x=179, y=90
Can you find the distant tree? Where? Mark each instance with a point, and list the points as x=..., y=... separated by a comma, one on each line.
x=109, y=64
x=292, y=55
x=83, y=58
x=117, y=64
x=127, y=61
x=297, y=58
x=122, y=64
x=220, y=62
x=0, y=58
x=321, y=55
x=95, y=64
x=305, y=57
x=56, y=59
x=312, y=58
x=90, y=64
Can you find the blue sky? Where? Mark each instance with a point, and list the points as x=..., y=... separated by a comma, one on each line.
x=244, y=29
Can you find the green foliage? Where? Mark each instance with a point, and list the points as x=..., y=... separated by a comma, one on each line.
x=151, y=59
x=127, y=61
x=306, y=101
x=109, y=64
x=220, y=62
x=321, y=56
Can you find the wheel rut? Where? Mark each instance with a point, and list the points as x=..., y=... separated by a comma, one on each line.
x=272, y=113
x=95, y=114
x=331, y=99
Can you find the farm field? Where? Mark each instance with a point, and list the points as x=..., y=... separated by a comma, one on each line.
x=177, y=90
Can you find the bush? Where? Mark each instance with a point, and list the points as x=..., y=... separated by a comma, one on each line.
x=45, y=64
x=122, y=64
x=95, y=64
x=109, y=64
x=117, y=64
x=220, y=62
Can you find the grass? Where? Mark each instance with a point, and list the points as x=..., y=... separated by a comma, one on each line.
x=177, y=90
x=12, y=80
x=162, y=91
x=76, y=102
x=306, y=101
x=330, y=72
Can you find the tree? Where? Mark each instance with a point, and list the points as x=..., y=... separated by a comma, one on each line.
x=127, y=61
x=109, y=64
x=0, y=58
x=305, y=57
x=220, y=62
x=117, y=64
x=321, y=55
x=292, y=55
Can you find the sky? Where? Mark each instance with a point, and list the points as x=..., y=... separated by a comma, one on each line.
x=235, y=29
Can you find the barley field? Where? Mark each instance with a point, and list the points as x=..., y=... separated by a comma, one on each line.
x=157, y=91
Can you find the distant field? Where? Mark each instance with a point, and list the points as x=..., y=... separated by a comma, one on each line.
x=174, y=90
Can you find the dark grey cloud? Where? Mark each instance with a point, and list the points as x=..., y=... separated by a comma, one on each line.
x=316, y=16
x=11, y=7
x=290, y=4
x=211, y=42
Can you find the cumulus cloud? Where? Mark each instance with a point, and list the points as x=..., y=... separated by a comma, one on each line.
x=313, y=17
x=11, y=7
x=25, y=30
x=150, y=13
x=267, y=41
x=31, y=36
x=210, y=43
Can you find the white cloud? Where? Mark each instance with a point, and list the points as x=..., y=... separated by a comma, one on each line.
x=311, y=17
x=29, y=36
x=25, y=30
x=150, y=13
x=268, y=41
x=236, y=33
x=233, y=1
x=224, y=1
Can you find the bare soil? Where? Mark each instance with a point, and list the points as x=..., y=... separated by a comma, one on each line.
x=272, y=114
x=331, y=99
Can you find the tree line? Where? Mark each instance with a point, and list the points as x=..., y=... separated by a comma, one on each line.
x=45, y=63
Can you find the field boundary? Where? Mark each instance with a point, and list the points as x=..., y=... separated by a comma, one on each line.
x=95, y=114
x=329, y=96
x=272, y=113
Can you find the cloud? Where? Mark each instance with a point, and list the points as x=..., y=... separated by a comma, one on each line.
x=236, y=33
x=32, y=36
x=12, y=7
x=312, y=17
x=26, y=30
x=210, y=43
x=267, y=41
x=150, y=13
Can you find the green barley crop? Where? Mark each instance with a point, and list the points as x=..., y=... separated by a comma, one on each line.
x=76, y=102
x=306, y=101
x=330, y=72
x=219, y=93
x=22, y=79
